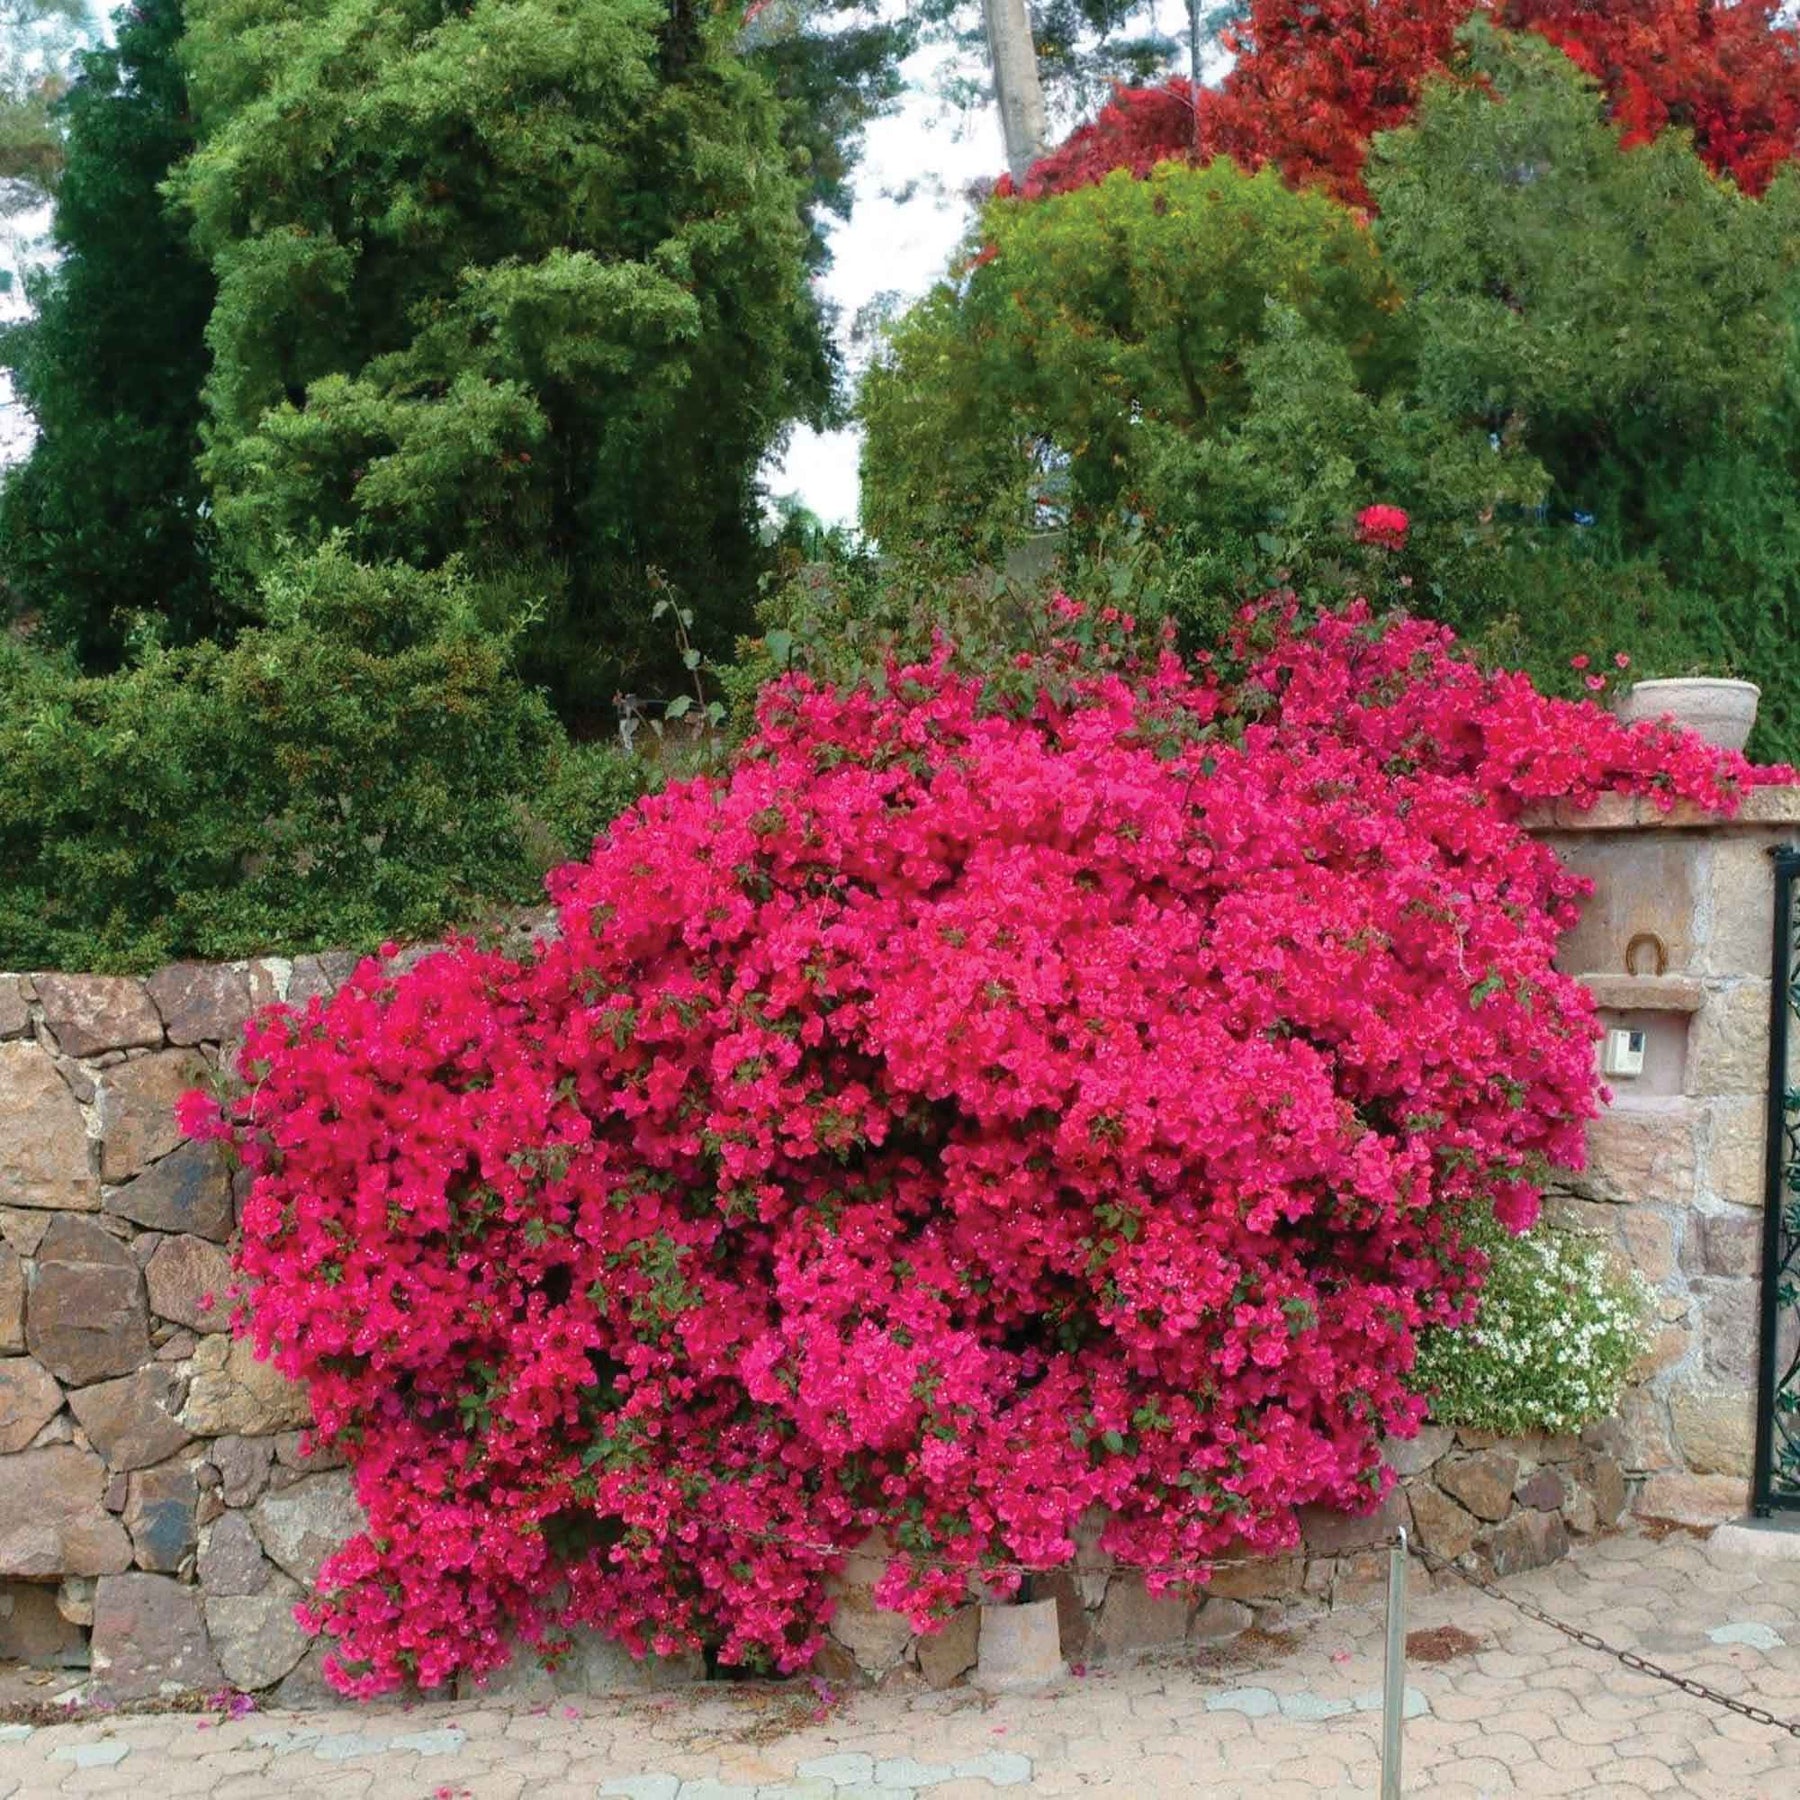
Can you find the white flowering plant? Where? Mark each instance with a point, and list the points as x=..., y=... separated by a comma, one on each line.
x=1560, y=1325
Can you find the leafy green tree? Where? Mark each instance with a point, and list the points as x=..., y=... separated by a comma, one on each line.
x=103, y=523
x=1668, y=323
x=1629, y=319
x=524, y=281
x=1574, y=365
x=1205, y=363
x=1085, y=319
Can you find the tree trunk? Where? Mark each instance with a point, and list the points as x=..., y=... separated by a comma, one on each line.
x=1016, y=83
x=1195, y=33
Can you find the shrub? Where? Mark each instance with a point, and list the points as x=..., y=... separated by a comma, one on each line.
x=983, y=1104
x=357, y=767
x=1559, y=1326
x=586, y=787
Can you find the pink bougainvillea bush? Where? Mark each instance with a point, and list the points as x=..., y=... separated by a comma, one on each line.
x=972, y=1111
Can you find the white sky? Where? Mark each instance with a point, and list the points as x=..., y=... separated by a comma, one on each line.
x=909, y=216
x=21, y=238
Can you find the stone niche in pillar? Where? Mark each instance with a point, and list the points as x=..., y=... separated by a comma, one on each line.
x=1652, y=1015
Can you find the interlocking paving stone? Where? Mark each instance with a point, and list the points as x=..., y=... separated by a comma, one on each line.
x=1413, y=1704
x=1753, y=1633
x=1529, y=1714
x=846, y=1766
x=445, y=1741
x=909, y=1772
x=343, y=1745
x=103, y=1755
x=1252, y=1702
x=1314, y=1706
x=1001, y=1768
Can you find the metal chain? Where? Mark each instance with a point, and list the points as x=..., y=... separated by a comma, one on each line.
x=1589, y=1641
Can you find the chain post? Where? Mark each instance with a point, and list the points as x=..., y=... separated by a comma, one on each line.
x=1393, y=1684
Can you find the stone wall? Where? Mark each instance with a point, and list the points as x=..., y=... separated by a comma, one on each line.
x=157, y=1520
x=1513, y=1503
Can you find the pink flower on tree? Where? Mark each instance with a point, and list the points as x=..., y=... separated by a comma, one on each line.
x=1383, y=525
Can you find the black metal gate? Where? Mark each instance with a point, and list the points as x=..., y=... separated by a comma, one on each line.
x=1777, y=1480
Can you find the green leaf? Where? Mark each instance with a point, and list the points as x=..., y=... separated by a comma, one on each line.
x=1485, y=989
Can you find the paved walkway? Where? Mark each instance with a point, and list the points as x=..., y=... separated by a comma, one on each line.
x=1510, y=1708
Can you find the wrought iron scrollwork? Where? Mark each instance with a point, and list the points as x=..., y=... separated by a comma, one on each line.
x=1777, y=1476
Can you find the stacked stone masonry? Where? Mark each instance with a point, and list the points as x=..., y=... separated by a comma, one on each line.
x=1677, y=941
x=1514, y=1504
x=158, y=1520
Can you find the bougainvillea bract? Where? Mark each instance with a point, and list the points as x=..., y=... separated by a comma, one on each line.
x=969, y=1116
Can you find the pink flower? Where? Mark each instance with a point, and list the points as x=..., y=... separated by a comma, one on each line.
x=969, y=1112
x=1385, y=526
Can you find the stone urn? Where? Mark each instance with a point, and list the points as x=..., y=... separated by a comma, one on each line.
x=1719, y=710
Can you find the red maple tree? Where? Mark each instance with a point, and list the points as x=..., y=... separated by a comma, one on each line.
x=1314, y=80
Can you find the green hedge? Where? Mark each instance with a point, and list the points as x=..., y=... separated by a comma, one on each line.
x=363, y=764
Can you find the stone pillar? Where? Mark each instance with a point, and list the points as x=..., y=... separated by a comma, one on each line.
x=1677, y=942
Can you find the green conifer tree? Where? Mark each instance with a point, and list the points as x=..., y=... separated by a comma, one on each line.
x=104, y=520
x=523, y=280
